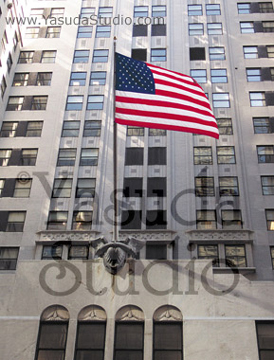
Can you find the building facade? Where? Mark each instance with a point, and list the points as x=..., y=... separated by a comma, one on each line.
x=200, y=210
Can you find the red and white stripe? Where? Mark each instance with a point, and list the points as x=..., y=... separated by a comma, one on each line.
x=179, y=104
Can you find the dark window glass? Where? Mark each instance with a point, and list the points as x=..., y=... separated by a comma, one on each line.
x=134, y=156
x=156, y=156
x=129, y=341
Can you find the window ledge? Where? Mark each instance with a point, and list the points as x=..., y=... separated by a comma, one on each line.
x=219, y=236
x=225, y=270
x=47, y=236
x=162, y=236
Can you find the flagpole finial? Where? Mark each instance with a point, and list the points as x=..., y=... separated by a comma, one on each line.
x=115, y=38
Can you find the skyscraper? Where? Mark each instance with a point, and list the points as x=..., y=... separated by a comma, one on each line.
x=197, y=212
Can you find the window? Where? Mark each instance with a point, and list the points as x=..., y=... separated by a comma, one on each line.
x=9, y=62
x=32, y=32
x=92, y=128
x=156, y=156
x=139, y=54
x=243, y=8
x=272, y=256
x=265, y=154
x=221, y=100
x=20, y=79
x=247, y=27
x=215, y=29
x=203, y=155
x=34, y=128
x=270, y=51
x=231, y=219
x=268, y=26
x=16, y=220
x=129, y=340
x=81, y=56
x=158, y=55
x=257, y=99
x=213, y=9
x=25, y=57
x=272, y=74
x=204, y=186
x=5, y=156
x=199, y=75
x=85, y=188
x=263, y=125
x=8, y=128
x=62, y=188
x=15, y=41
x=86, y=12
x=158, y=30
x=228, y=186
x=22, y=188
x=253, y=74
x=217, y=53
x=95, y=102
x=78, y=252
x=103, y=31
x=57, y=12
x=90, y=340
x=269, y=215
x=74, y=102
x=226, y=155
x=156, y=251
x=52, y=252
x=98, y=78
x=156, y=186
x=82, y=220
x=57, y=220
x=105, y=12
x=156, y=219
x=3, y=86
x=195, y=10
x=53, y=32
x=134, y=156
x=133, y=187
x=28, y=157
x=15, y=103
x=48, y=56
x=71, y=128
x=197, y=53
x=52, y=338
x=131, y=219
x=135, y=131
x=66, y=157
x=8, y=258
x=209, y=252
x=265, y=337
x=206, y=219
x=158, y=11
x=265, y=7
x=100, y=56
x=43, y=79
x=250, y=52
x=78, y=78
x=84, y=32
x=140, y=11
x=89, y=157
x=2, y=184
x=156, y=132
x=235, y=256
x=39, y=103
x=196, y=29
x=267, y=185
x=218, y=75
x=38, y=13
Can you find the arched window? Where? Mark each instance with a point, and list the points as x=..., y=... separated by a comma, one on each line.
x=129, y=334
x=168, y=334
x=52, y=338
x=91, y=330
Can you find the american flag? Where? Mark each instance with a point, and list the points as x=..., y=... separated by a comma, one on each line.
x=150, y=96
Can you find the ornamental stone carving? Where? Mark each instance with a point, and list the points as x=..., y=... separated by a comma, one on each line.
x=220, y=235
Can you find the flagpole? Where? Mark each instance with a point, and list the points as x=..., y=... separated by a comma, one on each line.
x=115, y=180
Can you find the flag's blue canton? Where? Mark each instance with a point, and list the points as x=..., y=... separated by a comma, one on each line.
x=133, y=76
